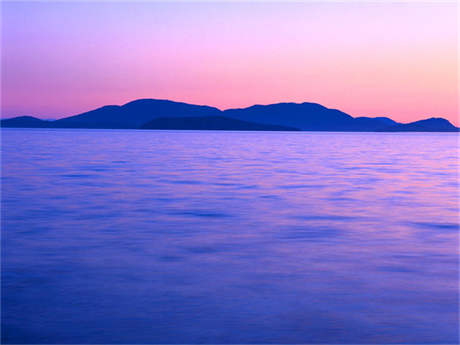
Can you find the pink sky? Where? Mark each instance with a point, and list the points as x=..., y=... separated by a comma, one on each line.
x=367, y=59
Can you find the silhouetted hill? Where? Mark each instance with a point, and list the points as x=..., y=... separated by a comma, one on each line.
x=211, y=123
x=373, y=123
x=25, y=122
x=134, y=114
x=434, y=124
x=304, y=116
x=307, y=117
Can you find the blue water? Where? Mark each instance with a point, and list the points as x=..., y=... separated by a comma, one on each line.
x=120, y=236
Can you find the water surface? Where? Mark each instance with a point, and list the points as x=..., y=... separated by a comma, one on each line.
x=120, y=236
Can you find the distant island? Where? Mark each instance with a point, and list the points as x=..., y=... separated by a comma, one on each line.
x=165, y=114
x=211, y=123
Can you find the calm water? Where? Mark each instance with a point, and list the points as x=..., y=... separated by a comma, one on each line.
x=229, y=237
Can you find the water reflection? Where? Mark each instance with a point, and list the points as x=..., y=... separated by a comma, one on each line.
x=212, y=237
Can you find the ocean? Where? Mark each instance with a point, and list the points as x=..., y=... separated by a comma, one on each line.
x=131, y=236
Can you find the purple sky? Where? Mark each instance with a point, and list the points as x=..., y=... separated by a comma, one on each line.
x=367, y=59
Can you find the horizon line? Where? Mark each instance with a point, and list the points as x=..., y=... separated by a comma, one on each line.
x=423, y=117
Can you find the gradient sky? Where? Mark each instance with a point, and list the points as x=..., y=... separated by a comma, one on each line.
x=367, y=59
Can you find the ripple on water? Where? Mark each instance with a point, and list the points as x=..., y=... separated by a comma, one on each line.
x=396, y=269
x=170, y=258
x=327, y=217
x=310, y=233
x=77, y=176
x=437, y=226
x=260, y=236
x=302, y=186
x=199, y=213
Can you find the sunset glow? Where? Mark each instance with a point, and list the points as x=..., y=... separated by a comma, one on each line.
x=367, y=59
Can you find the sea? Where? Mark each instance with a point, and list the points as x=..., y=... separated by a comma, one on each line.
x=221, y=237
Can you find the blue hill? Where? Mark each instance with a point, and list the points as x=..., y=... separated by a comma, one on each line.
x=211, y=123
x=304, y=116
x=434, y=124
x=25, y=122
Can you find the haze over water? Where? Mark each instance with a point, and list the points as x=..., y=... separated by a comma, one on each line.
x=229, y=237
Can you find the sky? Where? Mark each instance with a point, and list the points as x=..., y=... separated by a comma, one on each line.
x=396, y=59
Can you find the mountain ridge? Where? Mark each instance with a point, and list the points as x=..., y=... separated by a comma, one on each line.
x=304, y=116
